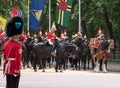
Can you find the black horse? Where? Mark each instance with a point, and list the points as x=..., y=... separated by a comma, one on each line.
x=41, y=52
x=64, y=51
x=27, y=52
x=83, y=52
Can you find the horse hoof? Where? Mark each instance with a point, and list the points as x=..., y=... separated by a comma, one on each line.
x=35, y=70
x=61, y=71
x=43, y=70
x=39, y=68
x=105, y=71
x=56, y=71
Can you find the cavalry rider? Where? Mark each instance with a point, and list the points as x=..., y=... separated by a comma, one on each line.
x=77, y=36
x=35, y=37
x=99, y=38
x=40, y=36
x=62, y=36
x=13, y=52
x=65, y=34
x=51, y=36
x=100, y=35
x=45, y=34
x=28, y=37
x=85, y=37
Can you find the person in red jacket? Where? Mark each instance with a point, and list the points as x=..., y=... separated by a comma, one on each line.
x=13, y=52
x=51, y=36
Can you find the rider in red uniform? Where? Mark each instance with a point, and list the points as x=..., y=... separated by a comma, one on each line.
x=13, y=52
x=51, y=36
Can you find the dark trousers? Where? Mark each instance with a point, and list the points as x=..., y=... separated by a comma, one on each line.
x=12, y=81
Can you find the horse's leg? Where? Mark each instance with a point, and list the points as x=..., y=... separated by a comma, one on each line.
x=53, y=61
x=56, y=66
x=77, y=64
x=34, y=64
x=0, y=61
x=84, y=62
x=63, y=63
x=61, y=67
x=74, y=64
x=43, y=64
x=104, y=66
x=88, y=62
x=40, y=64
x=101, y=64
x=50, y=62
x=96, y=69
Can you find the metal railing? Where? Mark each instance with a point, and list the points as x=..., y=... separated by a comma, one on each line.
x=114, y=55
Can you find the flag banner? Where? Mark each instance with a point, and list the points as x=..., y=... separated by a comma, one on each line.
x=3, y=22
x=63, y=12
x=35, y=13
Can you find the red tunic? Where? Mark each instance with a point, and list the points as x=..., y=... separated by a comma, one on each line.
x=51, y=36
x=13, y=56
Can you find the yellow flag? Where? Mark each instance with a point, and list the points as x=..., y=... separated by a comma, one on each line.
x=3, y=22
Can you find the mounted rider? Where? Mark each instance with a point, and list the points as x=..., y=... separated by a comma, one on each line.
x=40, y=35
x=51, y=36
x=100, y=35
x=65, y=35
x=62, y=36
x=77, y=36
x=45, y=35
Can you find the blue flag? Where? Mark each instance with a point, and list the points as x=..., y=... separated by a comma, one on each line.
x=35, y=13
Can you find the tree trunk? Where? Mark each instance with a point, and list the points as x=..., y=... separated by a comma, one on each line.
x=108, y=25
x=119, y=31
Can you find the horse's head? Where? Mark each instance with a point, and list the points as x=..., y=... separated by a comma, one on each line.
x=85, y=47
x=71, y=49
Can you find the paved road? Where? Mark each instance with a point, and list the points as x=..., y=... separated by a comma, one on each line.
x=67, y=79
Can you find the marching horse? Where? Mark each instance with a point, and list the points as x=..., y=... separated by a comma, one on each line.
x=82, y=53
x=42, y=52
x=64, y=51
x=27, y=53
x=101, y=53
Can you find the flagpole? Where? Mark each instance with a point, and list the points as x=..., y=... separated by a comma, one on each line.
x=28, y=17
x=80, y=16
x=49, y=14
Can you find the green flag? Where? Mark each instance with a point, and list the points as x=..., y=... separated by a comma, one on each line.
x=63, y=12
